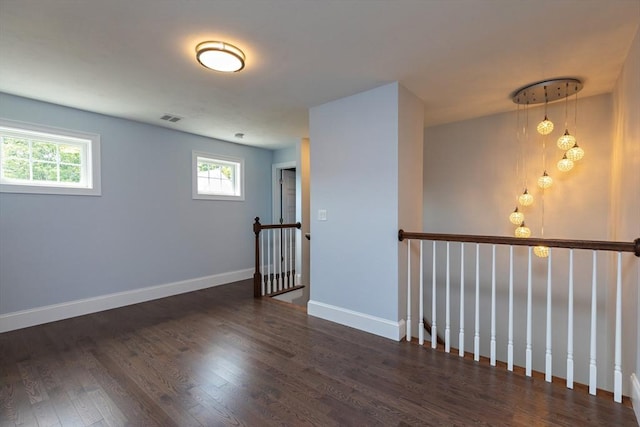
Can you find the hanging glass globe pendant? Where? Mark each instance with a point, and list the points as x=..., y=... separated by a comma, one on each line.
x=545, y=181
x=523, y=231
x=566, y=141
x=565, y=164
x=516, y=217
x=545, y=127
x=541, y=251
x=575, y=153
x=525, y=198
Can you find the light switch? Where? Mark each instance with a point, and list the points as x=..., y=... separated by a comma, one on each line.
x=322, y=214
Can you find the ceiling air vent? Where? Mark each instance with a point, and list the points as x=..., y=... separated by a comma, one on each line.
x=171, y=118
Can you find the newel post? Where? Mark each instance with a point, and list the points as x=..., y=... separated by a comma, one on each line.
x=257, y=276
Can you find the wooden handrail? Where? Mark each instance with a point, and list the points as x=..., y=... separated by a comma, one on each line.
x=600, y=245
x=269, y=226
x=257, y=227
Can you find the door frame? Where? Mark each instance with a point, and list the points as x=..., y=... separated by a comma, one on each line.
x=275, y=207
x=275, y=187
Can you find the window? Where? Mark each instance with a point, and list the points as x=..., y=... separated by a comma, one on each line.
x=46, y=160
x=217, y=177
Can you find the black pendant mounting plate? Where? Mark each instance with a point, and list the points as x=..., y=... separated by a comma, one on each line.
x=547, y=91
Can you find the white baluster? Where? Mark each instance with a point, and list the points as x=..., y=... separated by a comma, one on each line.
x=461, y=334
x=476, y=337
x=261, y=263
x=408, y=290
x=447, y=320
x=421, y=302
x=510, y=334
x=570, y=324
x=528, y=349
x=290, y=272
x=269, y=289
x=274, y=284
x=493, y=305
x=280, y=281
x=287, y=260
x=434, y=326
x=292, y=255
x=593, y=369
x=285, y=249
x=617, y=367
x=548, y=357
x=292, y=266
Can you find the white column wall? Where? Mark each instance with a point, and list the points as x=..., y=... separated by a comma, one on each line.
x=302, y=209
x=626, y=200
x=355, y=178
x=410, y=148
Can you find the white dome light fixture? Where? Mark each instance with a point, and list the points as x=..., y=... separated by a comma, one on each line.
x=220, y=56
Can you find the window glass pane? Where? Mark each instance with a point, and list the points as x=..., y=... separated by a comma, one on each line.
x=70, y=154
x=227, y=171
x=45, y=171
x=15, y=168
x=45, y=160
x=69, y=173
x=217, y=176
x=213, y=180
x=44, y=151
x=15, y=147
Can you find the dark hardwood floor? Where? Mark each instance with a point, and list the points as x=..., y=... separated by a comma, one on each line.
x=220, y=357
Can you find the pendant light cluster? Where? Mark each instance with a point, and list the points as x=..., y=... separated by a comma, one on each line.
x=537, y=93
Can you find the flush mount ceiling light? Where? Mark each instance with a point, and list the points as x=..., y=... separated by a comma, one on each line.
x=220, y=56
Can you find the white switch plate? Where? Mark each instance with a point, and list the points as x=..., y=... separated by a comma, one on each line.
x=322, y=214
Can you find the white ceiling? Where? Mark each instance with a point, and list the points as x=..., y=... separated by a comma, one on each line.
x=135, y=58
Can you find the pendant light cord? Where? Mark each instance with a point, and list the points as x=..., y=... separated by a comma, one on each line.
x=575, y=118
x=566, y=107
x=525, y=141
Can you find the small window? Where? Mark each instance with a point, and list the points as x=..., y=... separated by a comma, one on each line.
x=217, y=177
x=45, y=160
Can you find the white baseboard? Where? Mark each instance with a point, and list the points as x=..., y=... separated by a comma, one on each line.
x=364, y=322
x=635, y=396
x=51, y=313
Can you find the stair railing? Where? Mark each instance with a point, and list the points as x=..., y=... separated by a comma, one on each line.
x=571, y=245
x=275, y=258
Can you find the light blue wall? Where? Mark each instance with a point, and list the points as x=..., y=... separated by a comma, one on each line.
x=284, y=155
x=354, y=176
x=144, y=230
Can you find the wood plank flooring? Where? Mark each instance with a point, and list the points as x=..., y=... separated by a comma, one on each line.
x=220, y=357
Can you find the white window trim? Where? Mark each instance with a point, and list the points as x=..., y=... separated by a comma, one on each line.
x=214, y=157
x=94, y=187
